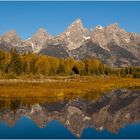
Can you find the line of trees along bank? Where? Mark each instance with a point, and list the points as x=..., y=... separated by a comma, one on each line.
x=13, y=63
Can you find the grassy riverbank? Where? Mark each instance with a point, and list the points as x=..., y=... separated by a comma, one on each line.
x=63, y=86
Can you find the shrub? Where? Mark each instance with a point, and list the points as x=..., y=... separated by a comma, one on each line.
x=10, y=76
x=136, y=75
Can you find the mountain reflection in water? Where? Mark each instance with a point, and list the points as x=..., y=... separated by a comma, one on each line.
x=111, y=112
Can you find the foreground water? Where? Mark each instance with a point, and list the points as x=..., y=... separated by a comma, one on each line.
x=115, y=114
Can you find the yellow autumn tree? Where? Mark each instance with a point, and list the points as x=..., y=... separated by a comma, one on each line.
x=42, y=65
x=79, y=67
x=54, y=65
x=29, y=62
x=69, y=63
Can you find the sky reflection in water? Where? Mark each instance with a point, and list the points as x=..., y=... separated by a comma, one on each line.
x=114, y=115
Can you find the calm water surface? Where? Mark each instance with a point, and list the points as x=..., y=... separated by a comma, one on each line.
x=115, y=114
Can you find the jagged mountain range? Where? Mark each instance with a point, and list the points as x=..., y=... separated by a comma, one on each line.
x=112, y=111
x=112, y=45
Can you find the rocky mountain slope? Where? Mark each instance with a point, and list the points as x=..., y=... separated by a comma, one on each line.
x=39, y=40
x=11, y=40
x=112, y=45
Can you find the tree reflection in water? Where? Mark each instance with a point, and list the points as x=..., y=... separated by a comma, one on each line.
x=110, y=110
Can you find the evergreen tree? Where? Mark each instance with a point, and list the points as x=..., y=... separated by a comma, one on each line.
x=15, y=65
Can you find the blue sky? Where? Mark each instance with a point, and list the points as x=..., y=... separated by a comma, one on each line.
x=27, y=17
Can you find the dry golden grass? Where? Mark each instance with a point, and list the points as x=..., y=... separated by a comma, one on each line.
x=61, y=87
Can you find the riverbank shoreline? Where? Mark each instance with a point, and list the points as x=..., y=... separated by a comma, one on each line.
x=65, y=79
x=60, y=86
